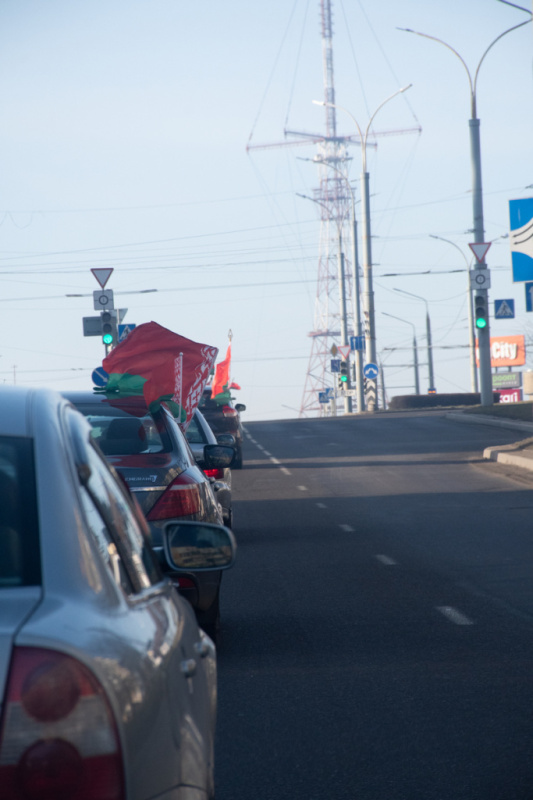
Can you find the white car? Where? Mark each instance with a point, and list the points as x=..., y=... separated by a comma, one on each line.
x=108, y=686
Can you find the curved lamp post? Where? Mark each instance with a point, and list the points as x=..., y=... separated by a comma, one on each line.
x=471, y=334
x=415, y=349
x=368, y=293
x=431, y=387
x=478, y=230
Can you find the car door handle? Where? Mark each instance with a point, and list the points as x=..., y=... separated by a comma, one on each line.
x=188, y=667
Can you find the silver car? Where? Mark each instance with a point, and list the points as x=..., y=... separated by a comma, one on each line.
x=108, y=686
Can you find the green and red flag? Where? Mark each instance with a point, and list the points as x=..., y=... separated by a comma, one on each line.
x=162, y=366
x=220, y=386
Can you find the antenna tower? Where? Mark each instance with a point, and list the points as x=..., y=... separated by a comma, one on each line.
x=332, y=199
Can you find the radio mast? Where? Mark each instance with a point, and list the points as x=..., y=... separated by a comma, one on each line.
x=334, y=303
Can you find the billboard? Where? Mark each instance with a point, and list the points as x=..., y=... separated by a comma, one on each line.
x=506, y=351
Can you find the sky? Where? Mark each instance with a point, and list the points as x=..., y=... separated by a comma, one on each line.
x=123, y=144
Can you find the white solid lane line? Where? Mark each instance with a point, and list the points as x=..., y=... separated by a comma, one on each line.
x=454, y=615
x=389, y=562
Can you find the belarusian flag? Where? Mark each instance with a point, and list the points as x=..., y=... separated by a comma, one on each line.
x=219, y=387
x=162, y=366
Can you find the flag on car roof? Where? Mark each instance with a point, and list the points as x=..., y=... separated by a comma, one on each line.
x=220, y=386
x=161, y=365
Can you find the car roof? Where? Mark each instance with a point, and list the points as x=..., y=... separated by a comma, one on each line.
x=15, y=404
x=101, y=397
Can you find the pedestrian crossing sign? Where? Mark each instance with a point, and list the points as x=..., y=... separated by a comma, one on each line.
x=504, y=309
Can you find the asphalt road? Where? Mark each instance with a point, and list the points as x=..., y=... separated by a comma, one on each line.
x=378, y=626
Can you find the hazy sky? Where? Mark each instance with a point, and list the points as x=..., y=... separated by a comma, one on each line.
x=123, y=135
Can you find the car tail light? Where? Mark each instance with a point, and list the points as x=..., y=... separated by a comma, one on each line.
x=180, y=499
x=228, y=411
x=186, y=583
x=217, y=474
x=58, y=738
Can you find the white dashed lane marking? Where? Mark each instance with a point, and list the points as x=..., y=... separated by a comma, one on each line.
x=302, y=488
x=346, y=528
x=321, y=505
x=454, y=615
x=285, y=470
x=389, y=562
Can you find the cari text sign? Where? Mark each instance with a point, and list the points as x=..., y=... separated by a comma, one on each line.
x=510, y=395
x=506, y=351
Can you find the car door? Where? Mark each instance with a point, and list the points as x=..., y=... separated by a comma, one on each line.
x=171, y=725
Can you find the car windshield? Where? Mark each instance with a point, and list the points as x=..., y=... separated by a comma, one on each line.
x=122, y=431
x=19, y=532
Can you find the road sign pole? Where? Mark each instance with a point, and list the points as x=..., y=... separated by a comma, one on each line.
x=485, y=371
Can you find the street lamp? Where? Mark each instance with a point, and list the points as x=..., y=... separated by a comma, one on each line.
x=478, y=230
x=415, y=349
x=368, y=294
x=471, y=334
x=342, y=293
x=431, y=380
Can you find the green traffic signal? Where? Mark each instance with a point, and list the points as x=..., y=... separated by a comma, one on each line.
x=109, y=328
x=481, y=316
x=344, y=372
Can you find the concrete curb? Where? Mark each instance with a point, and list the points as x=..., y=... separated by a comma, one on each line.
x=510, y=454
x=482, y=419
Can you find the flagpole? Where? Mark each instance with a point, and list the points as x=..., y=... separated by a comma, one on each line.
x=181, y=384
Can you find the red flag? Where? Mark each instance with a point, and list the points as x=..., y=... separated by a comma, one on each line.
x=221, y=379
x=161, y=365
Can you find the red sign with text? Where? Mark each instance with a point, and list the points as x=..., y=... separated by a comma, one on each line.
x=510, y=395
x=506, y=351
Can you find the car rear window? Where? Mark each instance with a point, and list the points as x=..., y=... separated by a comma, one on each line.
x=120, y=432
x=20, y=562
x=194, y=433
x=207, y=404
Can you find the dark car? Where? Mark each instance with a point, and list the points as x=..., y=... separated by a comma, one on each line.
x=153, y=457
x=199, y=434
x=224, y=418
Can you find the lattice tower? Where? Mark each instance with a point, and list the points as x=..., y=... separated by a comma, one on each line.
x=333, y=201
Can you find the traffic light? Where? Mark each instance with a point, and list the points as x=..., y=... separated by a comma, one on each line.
x=344, y=373
x=109, y=328
x=480, y=311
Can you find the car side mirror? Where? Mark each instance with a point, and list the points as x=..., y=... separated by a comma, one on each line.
x=218, y=456
x=198, y=546
x=226, y=438
x=240, y=407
